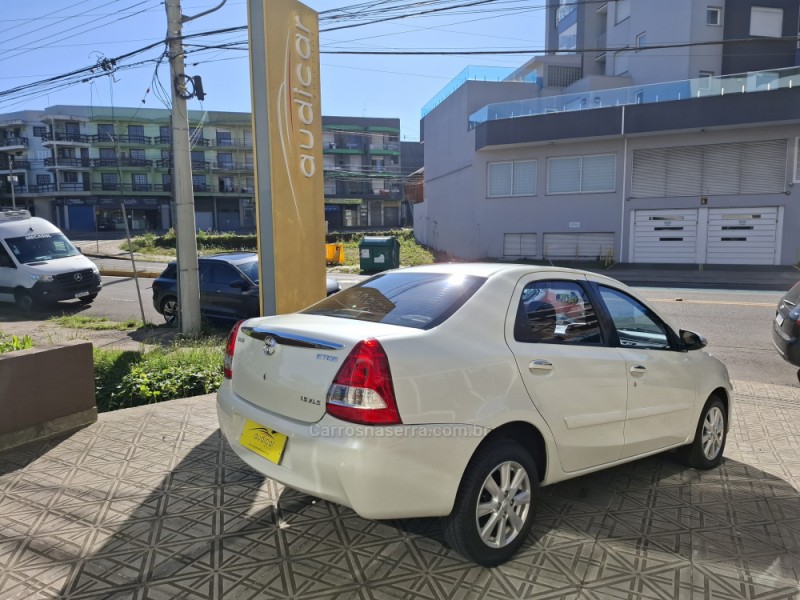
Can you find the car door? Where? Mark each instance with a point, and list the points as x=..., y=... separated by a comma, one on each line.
x=8, y=276
x=220, y=299
x=661, y=389
x=576, y=381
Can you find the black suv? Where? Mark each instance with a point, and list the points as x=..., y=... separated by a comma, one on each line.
x=228, y=288
x=786, y=327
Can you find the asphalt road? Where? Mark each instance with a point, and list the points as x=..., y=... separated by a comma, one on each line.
x=737, y=324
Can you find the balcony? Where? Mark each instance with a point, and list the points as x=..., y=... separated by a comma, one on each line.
x=130, y=187
x=392, y=148
x=67, y=163
x=163, y=140
x=62, y=137
x=19, y=165
x=230, y=143
x=13, y=144
x=232, y=166
x=703, y=87
x=112, y=139
x=105, y=163
x=201, y=187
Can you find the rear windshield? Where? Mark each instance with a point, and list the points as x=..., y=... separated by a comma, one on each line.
x=41, y=246
x=793, y=295
x=418, y=300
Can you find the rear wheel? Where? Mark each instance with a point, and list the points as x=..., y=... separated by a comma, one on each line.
x=492, y=514
x=169, y=308
x=25, y=301
x=705, y=452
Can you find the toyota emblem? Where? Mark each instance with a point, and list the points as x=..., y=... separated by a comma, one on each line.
x=270, y=345
x=77, y=277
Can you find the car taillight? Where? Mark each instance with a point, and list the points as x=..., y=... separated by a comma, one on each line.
x=362, y=391
x=227, y=362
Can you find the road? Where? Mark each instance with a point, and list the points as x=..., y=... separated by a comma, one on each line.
x=736, y=324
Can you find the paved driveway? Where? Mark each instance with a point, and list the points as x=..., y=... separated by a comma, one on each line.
x=150, y=503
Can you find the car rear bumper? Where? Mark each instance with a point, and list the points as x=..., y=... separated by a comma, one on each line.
x=380, y=472
x=788, y=347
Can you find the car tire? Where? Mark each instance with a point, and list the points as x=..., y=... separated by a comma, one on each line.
x=798, y=375
x=169, y=308
x=499, y=482
x=87, y=299
x=705, y=451
x=25, y=302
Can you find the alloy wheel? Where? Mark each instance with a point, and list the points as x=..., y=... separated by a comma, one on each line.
x=503, y=504
x=713, y=432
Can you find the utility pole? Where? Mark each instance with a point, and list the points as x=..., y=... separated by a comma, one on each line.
x=185, y=230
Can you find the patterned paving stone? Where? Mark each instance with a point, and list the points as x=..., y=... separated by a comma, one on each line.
x=150, y=503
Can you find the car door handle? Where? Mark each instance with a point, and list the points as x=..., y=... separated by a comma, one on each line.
x=540, y=365
x=638, y=369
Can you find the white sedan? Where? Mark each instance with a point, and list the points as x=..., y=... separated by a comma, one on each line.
x=456, y=390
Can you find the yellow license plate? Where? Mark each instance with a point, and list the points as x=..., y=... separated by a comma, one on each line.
x=263, y=441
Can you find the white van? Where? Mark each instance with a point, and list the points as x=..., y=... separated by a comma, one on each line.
x=39, y=265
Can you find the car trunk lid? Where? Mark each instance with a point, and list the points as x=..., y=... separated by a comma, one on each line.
x=287, y=365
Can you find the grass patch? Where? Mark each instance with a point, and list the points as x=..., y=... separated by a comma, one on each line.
x=95, y=323
x=14, y=343
x=124, y=379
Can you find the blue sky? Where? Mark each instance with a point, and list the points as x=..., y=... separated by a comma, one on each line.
x=43, y=38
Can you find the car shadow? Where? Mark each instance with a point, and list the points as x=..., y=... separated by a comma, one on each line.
x=212, y=527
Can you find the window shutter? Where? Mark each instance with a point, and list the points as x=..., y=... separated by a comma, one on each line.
x=499, y=179
x=598, y=173
x=649, y=173
x=722, y=169
x=563, y=175
x=764, y=167
x=684, y=171
x=524, y=178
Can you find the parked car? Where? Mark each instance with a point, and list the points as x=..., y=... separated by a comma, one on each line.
x=228, y=288
x=786, y=327
x=457, y=390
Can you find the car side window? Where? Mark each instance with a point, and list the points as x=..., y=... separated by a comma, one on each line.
x=221, y=275
x=5, y=259
x=556, y=312
x=636, y=326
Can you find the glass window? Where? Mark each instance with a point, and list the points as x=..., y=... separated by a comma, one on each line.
x=139, y=181
x=641, y=40
x=418, y=300
x=766, y=22
x=225, y=160
x=136, y=133
x=137, y=154
x=581, y=174
x=713, y=16
x=568, y=39
x=516, y=178
x=39, y=131
x=636, y=326
x=105, y=132
x=556, y=312
x=500, y=179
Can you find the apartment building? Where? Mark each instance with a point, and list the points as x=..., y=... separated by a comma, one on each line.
x=79, y=166
x=626, y=164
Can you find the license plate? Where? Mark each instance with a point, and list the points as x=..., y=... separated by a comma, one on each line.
x=263, y=441
x=81, y=294
x=779, y=319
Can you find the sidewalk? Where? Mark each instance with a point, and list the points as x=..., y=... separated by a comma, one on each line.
x=150, y=502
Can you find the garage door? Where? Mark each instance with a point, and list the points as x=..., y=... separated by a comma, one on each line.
x=665, y=236
x=519, y=245
x=579, y=246
x=744, y=236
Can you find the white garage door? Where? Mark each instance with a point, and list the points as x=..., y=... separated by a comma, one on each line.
x=665, y=236
x=519, y=245
x=744, y=236
x=579, y=246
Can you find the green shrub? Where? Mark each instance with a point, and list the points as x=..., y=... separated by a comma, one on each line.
x=125, y=379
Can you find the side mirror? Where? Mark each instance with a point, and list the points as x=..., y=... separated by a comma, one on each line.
x=239, y=284
x=692, y=340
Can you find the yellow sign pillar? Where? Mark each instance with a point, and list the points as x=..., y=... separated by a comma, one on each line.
x=287, y=135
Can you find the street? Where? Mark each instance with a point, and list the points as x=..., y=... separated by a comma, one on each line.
x=737, y=324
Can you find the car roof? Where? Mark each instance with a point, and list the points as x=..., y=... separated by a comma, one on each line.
x=231, y=257
x=489, y=269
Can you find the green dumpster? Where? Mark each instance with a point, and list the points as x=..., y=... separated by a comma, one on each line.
x=379, y=253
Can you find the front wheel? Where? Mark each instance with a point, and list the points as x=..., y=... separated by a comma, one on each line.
x=705, y=452
x=25, y=301
x=492, y=514
x=169, y=308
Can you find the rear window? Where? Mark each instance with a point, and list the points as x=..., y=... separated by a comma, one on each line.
x=418, y=300
x=793, y=295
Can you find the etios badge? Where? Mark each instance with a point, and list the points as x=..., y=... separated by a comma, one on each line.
x=270, y=345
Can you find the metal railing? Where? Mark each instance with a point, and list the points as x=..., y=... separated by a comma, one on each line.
x=80, y=163
x=13, y=141
x=63, y=136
